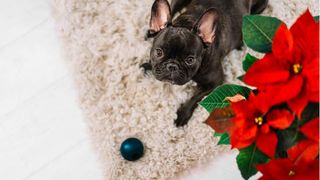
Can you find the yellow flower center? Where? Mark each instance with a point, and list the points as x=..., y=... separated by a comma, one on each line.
x=296, y=68
x=259, y=120
x=291, y=173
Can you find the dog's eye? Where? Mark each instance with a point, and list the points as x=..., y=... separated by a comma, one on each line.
x=158, y=52
x=190, y=60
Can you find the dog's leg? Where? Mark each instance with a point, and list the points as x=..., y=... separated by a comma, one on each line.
x=185, y=111
x=178, y=5
x=258, y=6
x=146, y=67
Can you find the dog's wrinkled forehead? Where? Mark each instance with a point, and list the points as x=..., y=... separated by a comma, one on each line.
x=177, y=40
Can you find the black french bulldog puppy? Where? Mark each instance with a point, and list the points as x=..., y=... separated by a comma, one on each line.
x=192, y=46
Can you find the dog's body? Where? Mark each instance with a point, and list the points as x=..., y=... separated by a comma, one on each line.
x=193, y=45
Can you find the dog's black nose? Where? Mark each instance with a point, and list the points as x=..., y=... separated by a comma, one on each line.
x=172, y=67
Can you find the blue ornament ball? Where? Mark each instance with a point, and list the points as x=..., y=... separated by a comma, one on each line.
x=132, y=149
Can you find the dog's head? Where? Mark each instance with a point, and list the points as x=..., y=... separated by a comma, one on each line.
x=176, y=54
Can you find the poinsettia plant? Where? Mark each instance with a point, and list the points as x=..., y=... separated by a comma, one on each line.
x=275, y=125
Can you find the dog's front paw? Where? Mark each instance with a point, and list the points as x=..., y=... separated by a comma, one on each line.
x=184, y=116
x=146, y=67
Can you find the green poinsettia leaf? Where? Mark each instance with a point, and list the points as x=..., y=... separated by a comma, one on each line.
x=248, y=61
x=310, y=111
x=247, y=160
x=217, y=98
x=287, y=138
x=240, y=77
x=316, y=18
x=258, y=32
x=224, y=139
x=215, y=134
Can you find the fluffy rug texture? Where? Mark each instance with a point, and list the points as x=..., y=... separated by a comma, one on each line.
x=104, y=44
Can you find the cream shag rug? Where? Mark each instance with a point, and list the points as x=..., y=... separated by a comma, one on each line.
x=104, y=43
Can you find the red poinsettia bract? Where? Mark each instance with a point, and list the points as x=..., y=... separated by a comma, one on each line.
x=252, y=125
x=300, y=165
x=291, y=72
x=285, y=169
x=311, y=129
x=310, y=146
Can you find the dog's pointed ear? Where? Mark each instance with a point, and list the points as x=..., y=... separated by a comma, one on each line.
x=207, y=25
x=160, y=16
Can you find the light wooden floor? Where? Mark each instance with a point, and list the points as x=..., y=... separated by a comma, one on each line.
x=42, y=132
